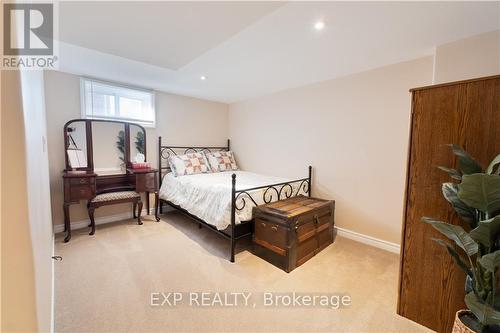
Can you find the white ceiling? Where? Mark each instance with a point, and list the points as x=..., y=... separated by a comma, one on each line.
x=165, y=34
x=250, y=49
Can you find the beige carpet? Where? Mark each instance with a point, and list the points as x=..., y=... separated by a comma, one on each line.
x=104, y=283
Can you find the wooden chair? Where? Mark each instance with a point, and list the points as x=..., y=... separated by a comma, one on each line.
x=113, y=198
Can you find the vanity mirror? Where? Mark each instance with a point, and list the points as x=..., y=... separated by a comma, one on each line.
x=108, y=141
x=76, y=145
x=105, y=147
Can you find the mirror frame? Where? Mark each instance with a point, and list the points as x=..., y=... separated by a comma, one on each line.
x=89, y=142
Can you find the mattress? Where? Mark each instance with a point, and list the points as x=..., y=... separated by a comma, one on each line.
x=208, y=195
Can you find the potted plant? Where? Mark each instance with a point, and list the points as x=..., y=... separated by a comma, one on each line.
x=475, y=196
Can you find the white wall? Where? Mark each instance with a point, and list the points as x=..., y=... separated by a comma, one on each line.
x=353, y=130
x=179, y=120
x=468, y=58
x=27, y=239
x=38, y=193
x=19, y=304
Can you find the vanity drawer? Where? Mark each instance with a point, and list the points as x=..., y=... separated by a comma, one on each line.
x=79, y=188
x=82, y=181
x=146, y=182
x=82, y=192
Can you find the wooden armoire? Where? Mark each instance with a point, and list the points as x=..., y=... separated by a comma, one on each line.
x=466, y=113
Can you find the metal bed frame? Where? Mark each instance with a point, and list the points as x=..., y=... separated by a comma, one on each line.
x=238, y=197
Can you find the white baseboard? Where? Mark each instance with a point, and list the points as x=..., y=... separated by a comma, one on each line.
x=368, y=240
x=100, y=220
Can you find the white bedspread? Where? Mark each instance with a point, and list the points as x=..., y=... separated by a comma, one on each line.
x=208, y=195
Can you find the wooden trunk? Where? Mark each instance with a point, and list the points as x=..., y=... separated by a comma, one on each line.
x=291, y=231
x=465, y=113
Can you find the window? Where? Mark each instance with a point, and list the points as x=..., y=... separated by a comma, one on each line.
x=101, y=100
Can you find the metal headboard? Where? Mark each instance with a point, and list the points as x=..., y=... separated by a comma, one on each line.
x=164, y=152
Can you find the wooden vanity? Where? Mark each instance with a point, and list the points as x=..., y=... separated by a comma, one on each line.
x=108, y=168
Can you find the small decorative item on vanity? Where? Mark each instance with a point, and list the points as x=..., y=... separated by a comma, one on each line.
x=140, y=162
x=476, y=199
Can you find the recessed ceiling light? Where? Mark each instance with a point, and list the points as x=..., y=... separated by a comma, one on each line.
x=320, y=25
x=203, y=77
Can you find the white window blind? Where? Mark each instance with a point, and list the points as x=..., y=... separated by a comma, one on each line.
x=102, y=100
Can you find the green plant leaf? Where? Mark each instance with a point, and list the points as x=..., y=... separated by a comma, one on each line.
x=485, y=313
x=456, y=257
x=490, y=261
x=465, y=162
x=493, y=164
x=455, y=174
x=480, y=191
x=450, y=192
x=486, y=231
x=456, y=233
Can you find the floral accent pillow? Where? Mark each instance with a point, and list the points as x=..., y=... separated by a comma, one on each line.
x=189, y=164
x=222, y=161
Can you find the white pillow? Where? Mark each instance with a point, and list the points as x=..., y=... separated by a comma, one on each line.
x=222, y=161
x=189, y=164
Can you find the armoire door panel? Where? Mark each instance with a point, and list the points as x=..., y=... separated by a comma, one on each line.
x=468, y=114
x=483, y=96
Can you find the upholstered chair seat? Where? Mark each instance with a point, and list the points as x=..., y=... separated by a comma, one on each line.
x=112, y=198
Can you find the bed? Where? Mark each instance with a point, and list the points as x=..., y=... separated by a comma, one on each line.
x=222, y=201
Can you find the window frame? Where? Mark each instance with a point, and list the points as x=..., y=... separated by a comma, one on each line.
x=83, y=105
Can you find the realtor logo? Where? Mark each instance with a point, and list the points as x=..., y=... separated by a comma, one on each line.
x=37, y=23
x=29, y=36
